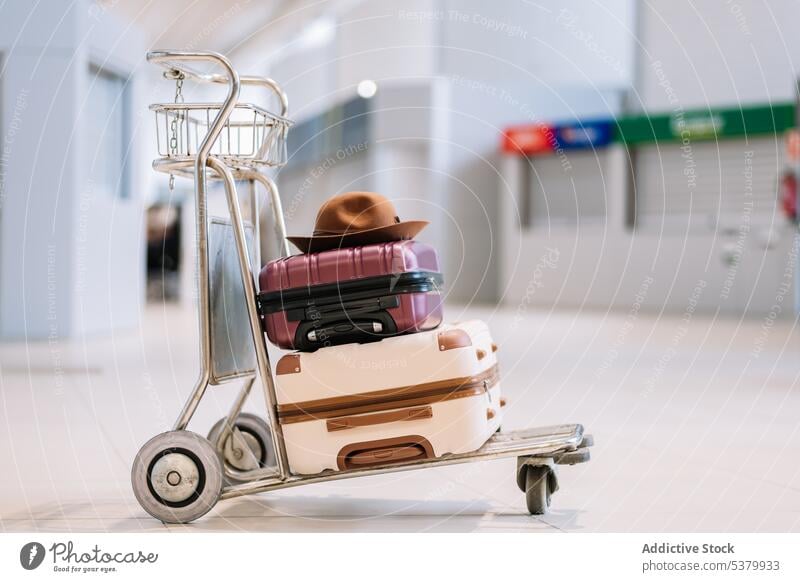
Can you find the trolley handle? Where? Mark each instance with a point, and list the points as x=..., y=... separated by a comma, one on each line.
x=175, y=63
x=172, y=61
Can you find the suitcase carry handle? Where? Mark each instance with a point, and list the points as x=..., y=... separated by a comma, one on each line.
x=385, y=456
x=314, y=334
x=384, y=452
x=346, y=422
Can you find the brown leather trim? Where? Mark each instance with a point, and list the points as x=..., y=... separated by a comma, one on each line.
x=288, y=364
x=453, y=338
x=481, y=354
x=379, y=400
x=345, y=422
x=490, y=413
x=363, y=409
x=494, y=347
x=405, y=448
x=503, y=401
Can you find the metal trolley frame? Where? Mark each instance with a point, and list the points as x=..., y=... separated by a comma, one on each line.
x=178, y=476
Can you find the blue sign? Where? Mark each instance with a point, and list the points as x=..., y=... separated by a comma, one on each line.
x=581, y=135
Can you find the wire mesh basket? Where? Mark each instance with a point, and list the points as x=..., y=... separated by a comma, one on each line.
x=251, y=136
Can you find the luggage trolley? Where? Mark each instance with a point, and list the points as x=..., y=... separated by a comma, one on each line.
x=178, y=475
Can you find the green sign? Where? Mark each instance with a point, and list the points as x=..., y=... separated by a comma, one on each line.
x=706, y=124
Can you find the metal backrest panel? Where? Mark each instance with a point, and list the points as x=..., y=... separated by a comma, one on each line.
x=232, y=352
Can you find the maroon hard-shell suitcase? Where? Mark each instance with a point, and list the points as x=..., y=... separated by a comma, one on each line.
x=348, y=295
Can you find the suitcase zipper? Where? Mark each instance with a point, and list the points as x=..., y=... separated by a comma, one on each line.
x=345, y=292
x=421, y=394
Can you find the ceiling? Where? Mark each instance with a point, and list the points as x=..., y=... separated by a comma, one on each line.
x=219, y=25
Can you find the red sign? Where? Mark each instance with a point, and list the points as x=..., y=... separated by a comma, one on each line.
x=789, y=195
x=793, y=146
x=528, y=139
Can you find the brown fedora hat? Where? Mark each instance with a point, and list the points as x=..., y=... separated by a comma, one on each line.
x=354, y=219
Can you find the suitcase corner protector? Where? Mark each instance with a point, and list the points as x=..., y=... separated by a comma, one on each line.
x=288, y=364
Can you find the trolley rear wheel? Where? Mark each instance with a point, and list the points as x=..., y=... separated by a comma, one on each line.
x=537, y=489
x=255, y=435
x=177, y=476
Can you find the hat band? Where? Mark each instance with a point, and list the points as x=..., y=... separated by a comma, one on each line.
x=320, y=232
x=346, y=232
x=333, y=232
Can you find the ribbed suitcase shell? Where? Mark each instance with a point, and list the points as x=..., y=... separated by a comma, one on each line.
x=328, y=400
x=416, y=311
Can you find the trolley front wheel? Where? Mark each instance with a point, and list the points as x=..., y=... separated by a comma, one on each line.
x=177, y=476
x=537, y=489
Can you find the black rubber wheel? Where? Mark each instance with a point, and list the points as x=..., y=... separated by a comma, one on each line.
x=537, y=490
x=177, y=476
x=255, y=433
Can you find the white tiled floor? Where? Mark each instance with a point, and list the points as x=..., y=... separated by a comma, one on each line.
x=696, y=430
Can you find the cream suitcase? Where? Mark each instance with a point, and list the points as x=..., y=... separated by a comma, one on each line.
x=403, y=398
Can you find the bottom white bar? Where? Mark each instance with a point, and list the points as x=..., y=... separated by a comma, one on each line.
x=376, y=557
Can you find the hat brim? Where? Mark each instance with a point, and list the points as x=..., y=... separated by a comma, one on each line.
x=393, y=232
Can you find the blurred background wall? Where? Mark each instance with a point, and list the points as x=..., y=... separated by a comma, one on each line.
x=71, y=220
x=413, y=99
